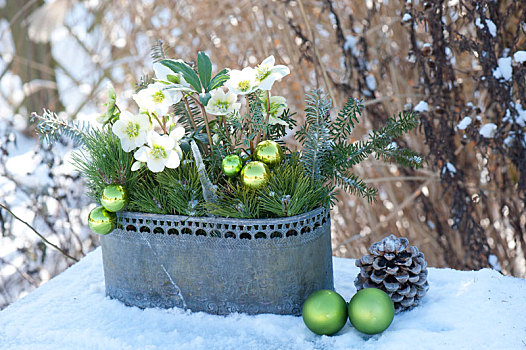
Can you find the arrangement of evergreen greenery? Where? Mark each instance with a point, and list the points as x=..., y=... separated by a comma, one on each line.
x=187, y=176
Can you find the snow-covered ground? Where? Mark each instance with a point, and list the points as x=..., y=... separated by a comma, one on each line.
x=462, y=310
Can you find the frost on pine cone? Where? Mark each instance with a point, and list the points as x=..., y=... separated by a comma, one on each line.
x=395, y=268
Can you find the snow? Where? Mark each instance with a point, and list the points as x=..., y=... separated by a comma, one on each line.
x=462, y=310
x=504, y=69
x=488, y=130
x=350, y=44
x=370, y=80
x=519, y=56
x=464, y=123
x=492, y=28
x=422, y=106
x=450, y=168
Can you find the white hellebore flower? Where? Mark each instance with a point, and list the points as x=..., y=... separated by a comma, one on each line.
x=277, y=107
x=156, y=98
x=167, y=76
x=132, y=130
x=242, y=82
x=267, y=73
x=221, y=103
x=159, y=153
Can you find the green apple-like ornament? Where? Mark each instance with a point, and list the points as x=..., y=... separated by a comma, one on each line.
x=269, y=152
x=231, y=165
x=114, y=198
x=324, y=312
x=102, y=221
x=255, y=175
x=371, y=311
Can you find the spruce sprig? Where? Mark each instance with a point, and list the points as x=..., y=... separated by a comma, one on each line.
x=102, y=161
x=51, y=128
x=291, y=192
x=235, y=201
x=184, y=194
x=329, y=156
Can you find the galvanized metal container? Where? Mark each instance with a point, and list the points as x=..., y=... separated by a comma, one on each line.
x=218, y=265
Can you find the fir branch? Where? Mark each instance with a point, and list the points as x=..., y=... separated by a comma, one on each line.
x=353, y=184
x=235, y=201
x=102, y=161
x=51, y=128
x=342, y=126
x=157, y=51
x=291, y=192
x=184, y=195
x=315, y=133
x=148, y=197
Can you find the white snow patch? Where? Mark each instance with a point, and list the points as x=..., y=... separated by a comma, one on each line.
x=351, y=43
x=488, y=130
x=494, y=262
x=504, y=69
x=492, y=28
x=392, y=146
x=510, y=139
x=464, y=123
x=407, y=17
x=370, y=80
x=519, y=56
x=519, y=119
x=422, y=106
x=462, y=310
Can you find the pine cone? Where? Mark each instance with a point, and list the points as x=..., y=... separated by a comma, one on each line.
x=395, y=268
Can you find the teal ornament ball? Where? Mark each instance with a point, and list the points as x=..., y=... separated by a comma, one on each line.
x=255, y=175
x=371, y=311
x=269, y=152
x=102, y=221
x=324, y=312
x=231, y=165
x=114, y=198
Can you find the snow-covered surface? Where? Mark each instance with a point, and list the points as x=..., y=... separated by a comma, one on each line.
x=504, y=69
x=492, y=28
x=421, y=106
x=462, y=310
x=488, y=130
x=519, y=56
x=464, y=123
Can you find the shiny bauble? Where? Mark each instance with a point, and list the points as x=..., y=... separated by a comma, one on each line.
x=114, y=198
x=324, y=312
x=269, y=152
x=102, y=221
x=231, y=165
x=255, y=175
x=371, y=311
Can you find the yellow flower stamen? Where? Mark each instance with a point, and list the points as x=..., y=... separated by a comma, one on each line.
x=158, y=97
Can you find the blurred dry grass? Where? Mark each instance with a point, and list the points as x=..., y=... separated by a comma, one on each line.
x=304, y=35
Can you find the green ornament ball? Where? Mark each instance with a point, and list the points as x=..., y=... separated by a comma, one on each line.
x=371, y=311
x=102, y=221
x=324, y=312
x=255, y=175
x=269, y=152
x=114, y=198
x=232, y=165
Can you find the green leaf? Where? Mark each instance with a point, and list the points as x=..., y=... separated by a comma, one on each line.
x=218, y=80
x=204, y=98
x=188, y=73
x=204, y=67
